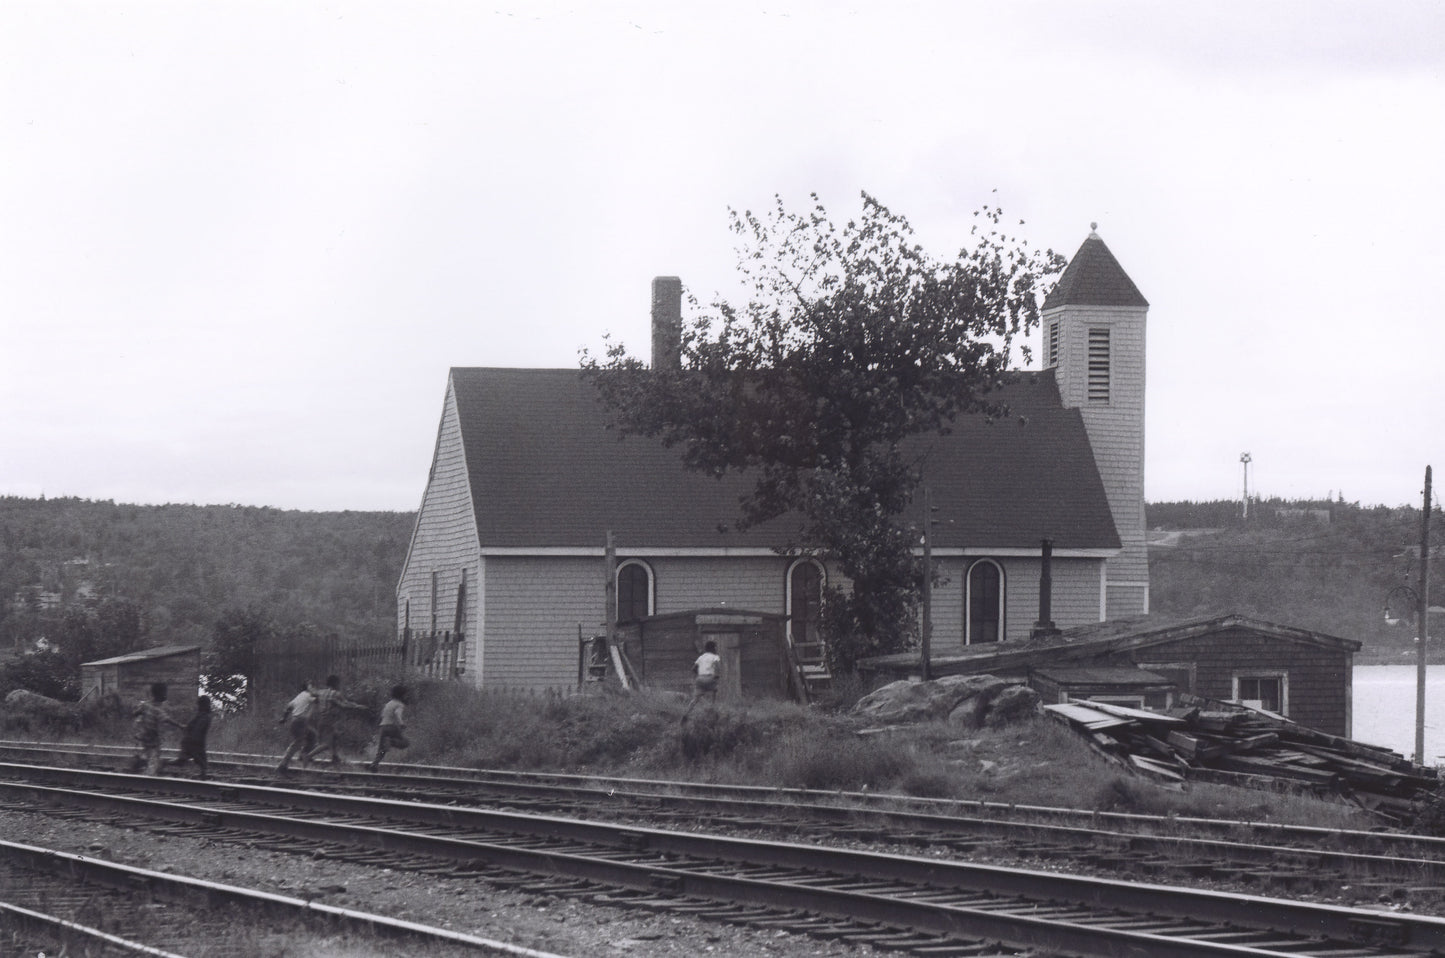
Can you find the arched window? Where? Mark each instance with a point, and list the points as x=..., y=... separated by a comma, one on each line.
x=805, y=604
x=634, y=591
x=984, y=602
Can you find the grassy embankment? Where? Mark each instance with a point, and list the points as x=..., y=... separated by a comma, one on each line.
x=773, y=744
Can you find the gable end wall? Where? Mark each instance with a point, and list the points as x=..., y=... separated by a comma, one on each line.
x=445, y=542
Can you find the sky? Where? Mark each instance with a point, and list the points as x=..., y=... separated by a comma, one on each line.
x=241, y=243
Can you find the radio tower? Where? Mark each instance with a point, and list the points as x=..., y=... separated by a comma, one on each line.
x=1245, y=459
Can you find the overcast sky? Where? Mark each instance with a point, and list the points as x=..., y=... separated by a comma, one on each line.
x=242, y=243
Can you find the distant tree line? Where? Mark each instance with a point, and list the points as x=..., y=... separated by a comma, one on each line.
x=82, y=580
x=1321, y=565
x=97, y=579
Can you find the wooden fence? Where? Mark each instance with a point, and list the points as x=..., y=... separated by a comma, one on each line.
x=279, y=666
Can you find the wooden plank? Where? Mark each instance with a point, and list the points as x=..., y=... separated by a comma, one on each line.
x=1146, y=764
x=1124, y=711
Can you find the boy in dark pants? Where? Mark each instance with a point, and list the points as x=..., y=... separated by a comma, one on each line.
x=393, y=725
x=149, y=715
x=193, y=739
x=329, y=703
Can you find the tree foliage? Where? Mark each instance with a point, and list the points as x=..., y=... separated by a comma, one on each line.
x=97, y=578
x=851, y=340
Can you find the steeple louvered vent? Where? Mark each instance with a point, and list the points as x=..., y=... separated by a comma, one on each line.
x=1099, y=364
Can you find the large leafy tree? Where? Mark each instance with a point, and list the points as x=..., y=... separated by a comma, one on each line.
x=851, y=340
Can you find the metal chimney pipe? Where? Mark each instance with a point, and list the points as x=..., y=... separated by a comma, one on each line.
x=1045, y=624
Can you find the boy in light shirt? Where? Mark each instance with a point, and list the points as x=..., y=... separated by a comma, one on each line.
x=708, y=672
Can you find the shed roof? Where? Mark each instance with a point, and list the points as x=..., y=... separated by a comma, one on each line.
x=546, y=471
x=1094, y=278
x=158, y=652
x=1101, y=675
x=1101, y=639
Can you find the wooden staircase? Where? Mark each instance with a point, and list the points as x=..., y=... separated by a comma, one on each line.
x=810, y=669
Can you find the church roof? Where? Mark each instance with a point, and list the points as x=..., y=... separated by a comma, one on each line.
x=545, y=471
x=1094, y=278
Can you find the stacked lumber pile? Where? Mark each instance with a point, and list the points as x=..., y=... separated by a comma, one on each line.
x=1211, y=741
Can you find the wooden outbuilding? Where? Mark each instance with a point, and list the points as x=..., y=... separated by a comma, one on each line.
x=1303, y=675
x=130, y=675
x=660, y=650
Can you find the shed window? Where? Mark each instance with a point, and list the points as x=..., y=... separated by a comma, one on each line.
x=634, y=591
x=1268, y=691
x=1099, y=364
x=985, y=602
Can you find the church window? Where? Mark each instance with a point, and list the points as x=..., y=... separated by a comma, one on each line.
x=1051, y=347
x=634, y=591
x=984, y=602
x=1099, y=364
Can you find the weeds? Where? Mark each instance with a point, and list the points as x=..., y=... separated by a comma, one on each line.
x=768, y=743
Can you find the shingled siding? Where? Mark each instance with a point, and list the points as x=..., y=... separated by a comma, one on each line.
x=1317, y=677
x=533, y=608
x=1075, y=597
x=1116, y=432
x=444, y=542
x=534, y=605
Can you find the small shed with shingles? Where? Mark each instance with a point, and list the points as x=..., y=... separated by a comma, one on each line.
x=130, y=675
x=1301, y=674
x=753, y=646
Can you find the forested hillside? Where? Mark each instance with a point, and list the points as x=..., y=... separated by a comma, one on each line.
x=183, y=567
x=1325, y=566
x=159, y=575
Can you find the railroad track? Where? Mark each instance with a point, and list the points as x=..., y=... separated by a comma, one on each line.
x=75, y=904
x=926, y=905
x=1363, y=867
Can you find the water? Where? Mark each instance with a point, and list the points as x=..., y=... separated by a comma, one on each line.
x=1384, y=709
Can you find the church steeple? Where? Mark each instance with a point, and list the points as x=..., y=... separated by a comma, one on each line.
x=1094, y=278
x=1094, y=323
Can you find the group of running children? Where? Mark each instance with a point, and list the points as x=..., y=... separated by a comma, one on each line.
x=312, y=717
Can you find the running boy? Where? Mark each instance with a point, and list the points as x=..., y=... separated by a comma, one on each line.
x=708, y=670
x=193, y=739
x=149, y=715
x=329, y=703
x=391, y=731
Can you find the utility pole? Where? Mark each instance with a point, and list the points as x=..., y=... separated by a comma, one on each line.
x=925, y=669
x=610, y=591
x=1246, y=459
x=1422, y=624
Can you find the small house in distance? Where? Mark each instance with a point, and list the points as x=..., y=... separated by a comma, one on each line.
x=1146, y=662
x=130, y=675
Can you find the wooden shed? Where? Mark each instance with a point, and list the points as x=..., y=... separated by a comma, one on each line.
x=1303, y=675
x=130, y=675
x=753, y=645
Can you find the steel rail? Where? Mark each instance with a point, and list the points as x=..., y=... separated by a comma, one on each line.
x=1097, y=847
x=211, y=894
x=644, y=858
x=43, y=923
x=1308, y=836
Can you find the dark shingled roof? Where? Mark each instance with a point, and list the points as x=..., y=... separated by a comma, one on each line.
x=1094, y=278
x=546, y=471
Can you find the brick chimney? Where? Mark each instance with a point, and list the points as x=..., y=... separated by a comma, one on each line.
x=667, y=323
